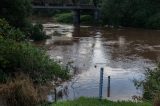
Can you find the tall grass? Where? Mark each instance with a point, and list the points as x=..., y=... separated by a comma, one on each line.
x=19, y=92
x=157, y=100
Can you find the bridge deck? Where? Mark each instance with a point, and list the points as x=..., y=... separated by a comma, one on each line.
x=78, y=7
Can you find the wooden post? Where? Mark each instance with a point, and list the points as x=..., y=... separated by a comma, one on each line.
x=108, y=89
x=101, y=83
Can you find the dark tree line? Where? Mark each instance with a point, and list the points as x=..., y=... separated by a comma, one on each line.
x=15, y=11
x=136, y=13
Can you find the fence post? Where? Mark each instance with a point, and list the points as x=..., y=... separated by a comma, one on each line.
x=55, y=98
x=108, y=89
x=101, y=83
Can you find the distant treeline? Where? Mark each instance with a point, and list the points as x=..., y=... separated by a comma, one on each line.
x=135, y=13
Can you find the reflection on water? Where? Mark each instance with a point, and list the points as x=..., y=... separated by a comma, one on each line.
x=124, y=54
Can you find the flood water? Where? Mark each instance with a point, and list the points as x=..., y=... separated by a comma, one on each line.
x=123, y=53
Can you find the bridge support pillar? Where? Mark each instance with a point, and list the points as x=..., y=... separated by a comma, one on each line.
x=76, y=17
x=96, y=15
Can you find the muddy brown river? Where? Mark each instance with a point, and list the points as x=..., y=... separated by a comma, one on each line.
x=123, y=53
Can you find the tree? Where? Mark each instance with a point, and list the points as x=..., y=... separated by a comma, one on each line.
x=136, y=13
x=18, y=56
x=15, y=11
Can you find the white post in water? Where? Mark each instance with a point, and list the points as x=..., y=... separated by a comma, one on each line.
x=101, y=83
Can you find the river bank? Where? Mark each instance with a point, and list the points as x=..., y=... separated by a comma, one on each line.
x=95, y=102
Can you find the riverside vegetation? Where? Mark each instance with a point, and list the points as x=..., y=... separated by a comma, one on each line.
x=151, y=85
x=19, y=58
x=26, y=72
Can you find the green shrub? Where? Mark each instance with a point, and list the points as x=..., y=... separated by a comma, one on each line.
x=23, y=57
x=34, y=32
x=9, y=32
x=37, y=33
x=151, y=83
x=64, y=17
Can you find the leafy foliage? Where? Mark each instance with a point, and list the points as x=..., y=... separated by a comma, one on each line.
x=151, y=83
x=137, y=13
x=19, y=56
x=9, y=32
x=37, y=32
x=15, y=11
x=23, y=57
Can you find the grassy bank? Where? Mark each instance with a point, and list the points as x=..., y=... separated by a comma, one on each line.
x=95, y=102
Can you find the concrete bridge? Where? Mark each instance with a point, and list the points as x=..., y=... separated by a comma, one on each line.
x=74, y=6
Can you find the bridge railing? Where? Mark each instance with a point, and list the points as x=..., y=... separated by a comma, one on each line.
x=59, y=3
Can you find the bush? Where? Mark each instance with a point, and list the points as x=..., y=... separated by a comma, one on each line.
x=9, y=32
x=23, y=57
x=34, y=32
x=151, y=83
x=64, y=17
x=37, y=32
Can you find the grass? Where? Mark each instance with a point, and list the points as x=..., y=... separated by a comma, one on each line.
x=95, y=102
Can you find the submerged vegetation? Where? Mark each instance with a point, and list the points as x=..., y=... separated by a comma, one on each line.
x=37, y=32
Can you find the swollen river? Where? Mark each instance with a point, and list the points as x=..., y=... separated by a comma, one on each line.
x=124, y=54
